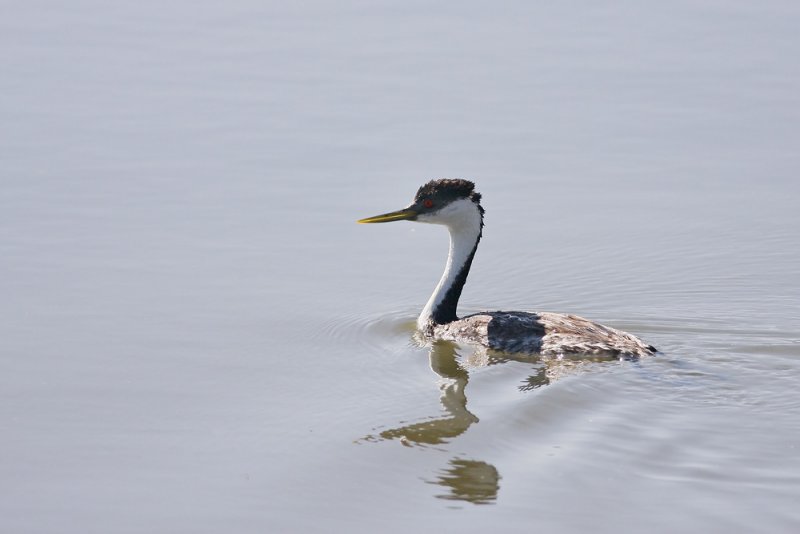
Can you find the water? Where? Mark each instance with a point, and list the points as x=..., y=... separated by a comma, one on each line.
x=198, y=337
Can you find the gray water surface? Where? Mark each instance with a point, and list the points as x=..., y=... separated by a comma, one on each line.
x=197, y=337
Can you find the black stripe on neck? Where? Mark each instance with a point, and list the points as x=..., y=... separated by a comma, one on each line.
x=445, y=312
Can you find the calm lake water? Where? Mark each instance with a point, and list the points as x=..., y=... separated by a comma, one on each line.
x=197, y=337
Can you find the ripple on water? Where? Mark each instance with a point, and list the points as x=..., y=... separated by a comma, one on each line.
x=392, y=331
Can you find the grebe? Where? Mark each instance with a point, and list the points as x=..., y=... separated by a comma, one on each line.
x=455, y=204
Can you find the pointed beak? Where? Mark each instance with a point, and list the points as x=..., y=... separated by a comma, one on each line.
x=399, y=215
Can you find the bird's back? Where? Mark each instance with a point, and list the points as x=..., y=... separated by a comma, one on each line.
x=545, y=333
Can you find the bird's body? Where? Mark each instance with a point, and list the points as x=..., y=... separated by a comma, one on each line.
x=455, y=204
x=546, y=333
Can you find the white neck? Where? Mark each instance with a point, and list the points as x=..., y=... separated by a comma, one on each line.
x=463, y=219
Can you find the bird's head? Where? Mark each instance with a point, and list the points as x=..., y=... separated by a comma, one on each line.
x=451, y=202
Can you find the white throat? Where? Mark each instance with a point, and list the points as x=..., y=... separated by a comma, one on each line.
x=463, y=220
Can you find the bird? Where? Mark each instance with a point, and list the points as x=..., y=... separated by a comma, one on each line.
x=455, y=204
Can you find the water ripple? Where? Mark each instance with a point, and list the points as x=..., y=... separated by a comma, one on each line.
x=389, y=330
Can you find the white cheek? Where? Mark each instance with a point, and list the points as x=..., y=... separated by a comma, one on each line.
x=430, y=218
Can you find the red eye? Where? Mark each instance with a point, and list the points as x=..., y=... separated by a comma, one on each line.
x=428, y=203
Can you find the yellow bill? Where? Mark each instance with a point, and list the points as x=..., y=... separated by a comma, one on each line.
x=399, y=215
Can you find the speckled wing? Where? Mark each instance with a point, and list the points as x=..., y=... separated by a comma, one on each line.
x=572, y=334
x=543, y=333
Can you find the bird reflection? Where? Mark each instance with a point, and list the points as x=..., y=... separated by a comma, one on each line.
x=454, y=401
x=469, y=480
x=444, y=361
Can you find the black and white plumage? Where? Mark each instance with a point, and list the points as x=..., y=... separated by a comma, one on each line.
x=456, y=205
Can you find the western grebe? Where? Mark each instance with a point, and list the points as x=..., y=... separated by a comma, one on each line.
x=455, y=204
